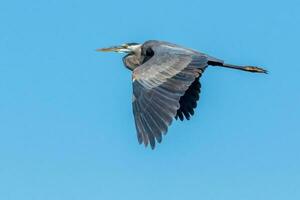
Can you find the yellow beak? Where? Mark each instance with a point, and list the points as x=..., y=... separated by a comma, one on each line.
x=118, y=49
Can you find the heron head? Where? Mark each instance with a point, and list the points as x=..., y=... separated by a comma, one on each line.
x=124, y=48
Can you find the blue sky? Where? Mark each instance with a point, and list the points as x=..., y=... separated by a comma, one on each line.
x=66, y=123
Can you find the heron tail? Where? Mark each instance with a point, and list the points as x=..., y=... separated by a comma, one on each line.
x=243, y=68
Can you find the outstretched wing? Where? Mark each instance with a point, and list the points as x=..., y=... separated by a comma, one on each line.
x=158, y=85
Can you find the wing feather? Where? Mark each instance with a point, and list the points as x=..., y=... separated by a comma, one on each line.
x=158, y=86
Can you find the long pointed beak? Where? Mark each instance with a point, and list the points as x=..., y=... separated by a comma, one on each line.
x=119, y=49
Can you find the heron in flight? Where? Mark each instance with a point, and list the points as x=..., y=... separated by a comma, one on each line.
x=165, y=79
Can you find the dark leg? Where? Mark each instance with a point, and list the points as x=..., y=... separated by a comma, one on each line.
x=243, y=68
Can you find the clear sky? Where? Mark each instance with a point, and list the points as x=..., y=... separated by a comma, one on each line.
x=66, y=123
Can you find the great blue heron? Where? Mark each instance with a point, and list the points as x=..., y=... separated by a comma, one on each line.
x=166, y=84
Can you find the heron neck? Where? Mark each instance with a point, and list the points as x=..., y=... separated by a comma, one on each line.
x=131, y=61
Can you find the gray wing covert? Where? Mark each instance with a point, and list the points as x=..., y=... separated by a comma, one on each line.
x=158, y=86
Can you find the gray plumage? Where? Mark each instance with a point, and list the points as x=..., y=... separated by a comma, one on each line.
x=166, y=84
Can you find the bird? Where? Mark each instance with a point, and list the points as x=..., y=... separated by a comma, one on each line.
x=166, y=84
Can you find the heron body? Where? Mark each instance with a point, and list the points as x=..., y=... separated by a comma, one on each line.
x=166, y=85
